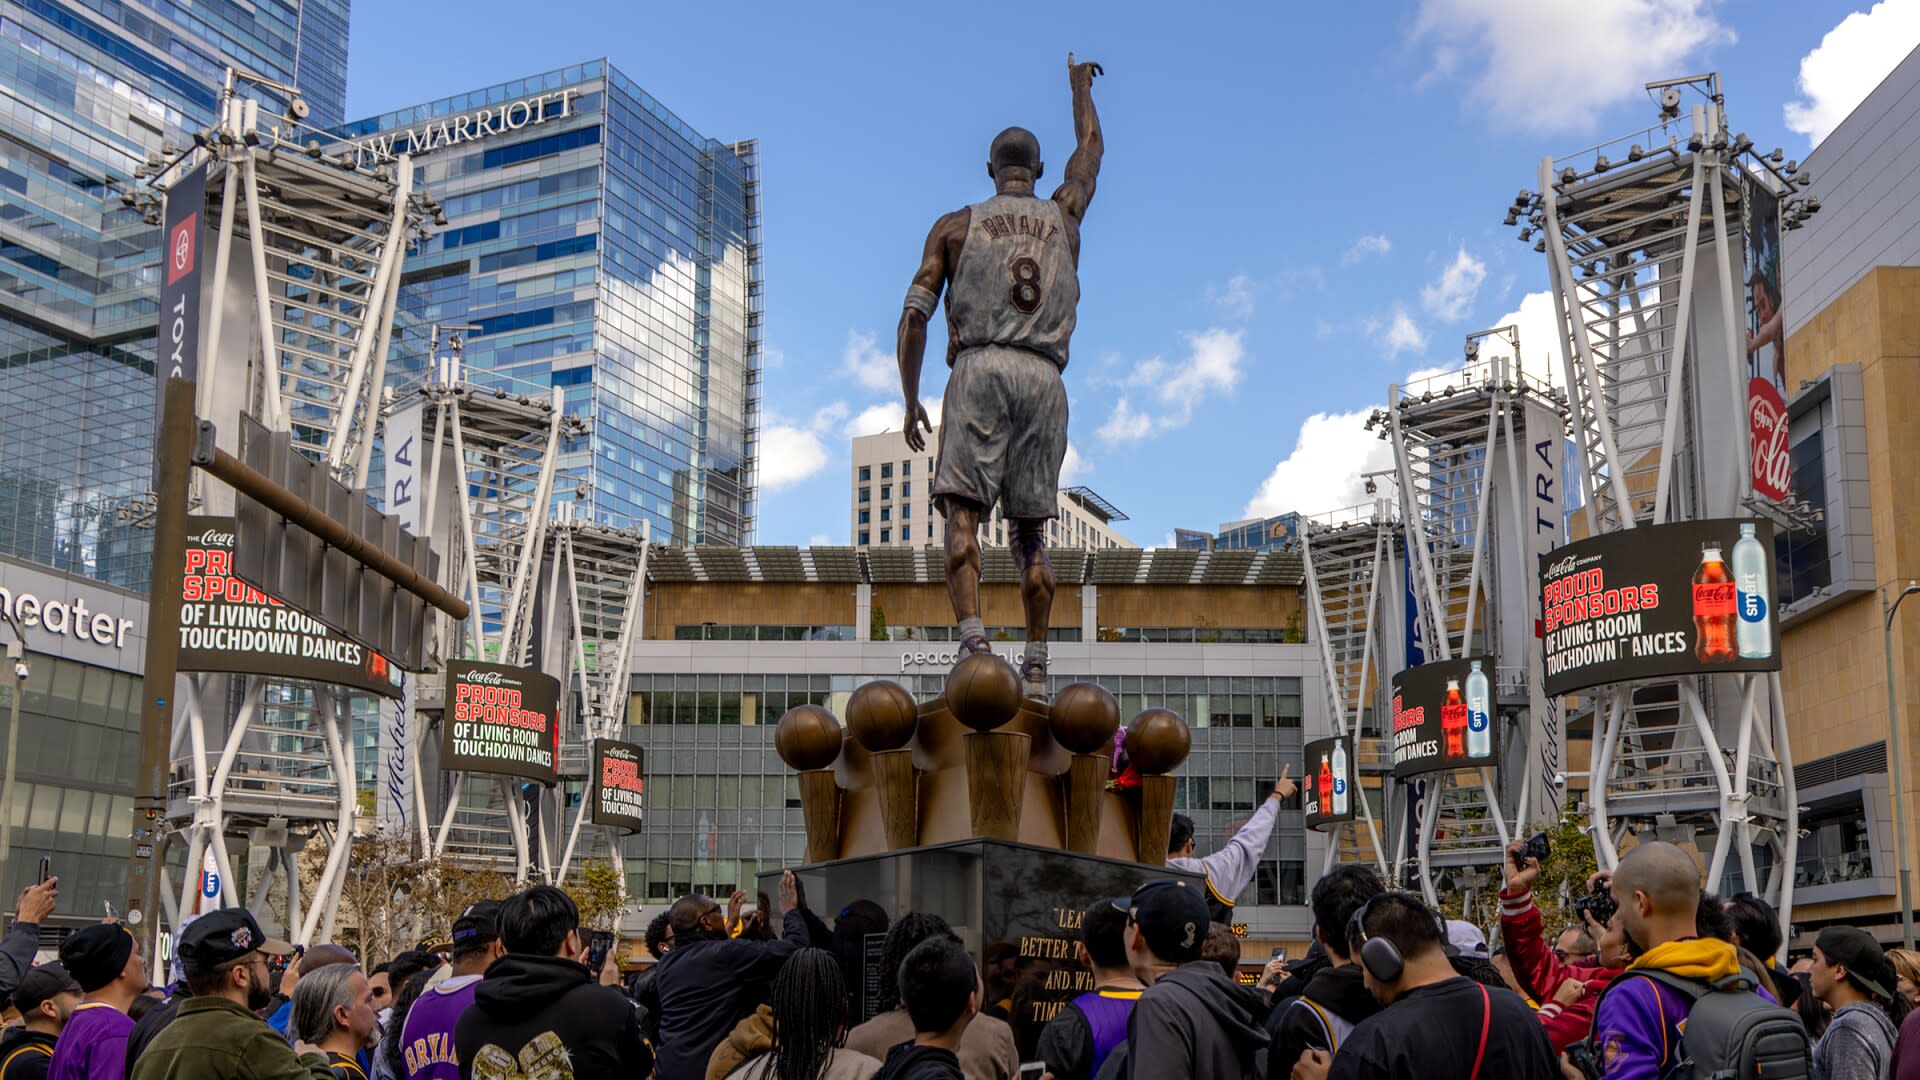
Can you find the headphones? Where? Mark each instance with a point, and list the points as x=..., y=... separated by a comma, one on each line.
x=1381, y=958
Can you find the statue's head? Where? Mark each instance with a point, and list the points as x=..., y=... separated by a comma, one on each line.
x=1015, y=155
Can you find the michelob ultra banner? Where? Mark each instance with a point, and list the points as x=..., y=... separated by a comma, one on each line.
x=1443, y=717
x=500, y=719
x=227, y=625
x=1689, y=598
x=619, y=784
x=1328, y=796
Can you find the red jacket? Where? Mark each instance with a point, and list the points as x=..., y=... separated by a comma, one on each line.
x=1541, y=972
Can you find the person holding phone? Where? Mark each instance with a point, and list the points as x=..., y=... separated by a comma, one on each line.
x=23, y=937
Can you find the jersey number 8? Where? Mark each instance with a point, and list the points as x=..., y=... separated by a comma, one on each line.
x=1025, y=293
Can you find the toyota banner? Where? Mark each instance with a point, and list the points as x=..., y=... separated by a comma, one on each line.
x=1443, y=717
x=1688, y=598
x=501, y=719
x=619, y=784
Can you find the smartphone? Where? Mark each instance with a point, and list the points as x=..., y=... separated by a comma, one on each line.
x=1280, y=952
x=597, y=949
x=1032, y=1070
x=112, y=915
x=46, y=869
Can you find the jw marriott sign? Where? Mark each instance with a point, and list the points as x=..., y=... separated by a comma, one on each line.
x=466, y=127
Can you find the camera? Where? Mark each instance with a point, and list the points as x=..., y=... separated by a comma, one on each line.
x=1598, y=903
x=1585, y=1056
x=1536, y=848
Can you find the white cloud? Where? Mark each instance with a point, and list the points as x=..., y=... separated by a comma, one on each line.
x=772, y=357
x=791, y=453
x=875, y=419
x=1126, y=425
x=1371, y=244
x=1399, y=334
x=1324, y=471
x=1513, y=54
x=1213, y=364
x=1236, y=297
x=819, y=540
x=1541, y=344
x=1849, y=62
x=1074, y=468
x=1448, y=298
x=867, y=364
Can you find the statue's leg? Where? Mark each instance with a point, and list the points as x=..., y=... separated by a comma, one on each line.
x=963, y=572
x=1036, y=594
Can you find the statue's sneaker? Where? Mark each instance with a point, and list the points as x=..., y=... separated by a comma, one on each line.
x=1033, y=678
x=970, y=646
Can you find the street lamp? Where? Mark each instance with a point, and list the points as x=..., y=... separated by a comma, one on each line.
x=1896, y=768
x=17, y=667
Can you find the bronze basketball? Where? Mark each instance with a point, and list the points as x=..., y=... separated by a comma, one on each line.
x=807, y=738
x=983, y=691
x=1085, y=716
x=882, y=716
x=1158, y=741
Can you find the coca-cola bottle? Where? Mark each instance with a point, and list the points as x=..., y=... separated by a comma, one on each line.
x=1453, y=721
x=1339, y=779
x=1714, y=608
x=1326, y=785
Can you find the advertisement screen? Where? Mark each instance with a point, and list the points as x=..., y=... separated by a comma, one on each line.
x=1689, y=598
x=1443, y=717
x=500, y=719
x=1766, y=344
x=1328, y=796
x=619, y=784
x=227, y=625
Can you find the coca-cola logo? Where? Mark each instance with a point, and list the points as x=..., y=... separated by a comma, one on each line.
x=210, y=538
x=1767, y=421
x=485, y=678
x=1564, y=566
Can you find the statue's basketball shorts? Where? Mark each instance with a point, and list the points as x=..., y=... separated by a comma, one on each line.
x=1003, y=433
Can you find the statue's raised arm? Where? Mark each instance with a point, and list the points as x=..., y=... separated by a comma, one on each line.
x=1083, y=168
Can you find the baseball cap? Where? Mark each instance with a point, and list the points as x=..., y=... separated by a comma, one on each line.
x=41, y=983
x=1172, y=916
x=1866, y=962
x=1467, y=940
x=479, y=924
x=219, y=937
x=96, y=955
x=435, y=943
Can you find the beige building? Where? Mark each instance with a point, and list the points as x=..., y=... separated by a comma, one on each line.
x=892, y=503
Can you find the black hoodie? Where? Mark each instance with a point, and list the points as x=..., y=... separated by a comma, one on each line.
x=1341, y=991
x=532, y=1010
x=1193, y=1023
x=24, y=1055
x=910, y=1062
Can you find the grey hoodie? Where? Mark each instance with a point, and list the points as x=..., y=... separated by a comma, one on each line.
x=1858, y=1045
x=1193, y=1023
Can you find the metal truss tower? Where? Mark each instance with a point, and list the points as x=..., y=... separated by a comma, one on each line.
x=1461, y=448
x=1643, y=255
x=1348, y=556
x=270, y=761
x=601, y=573
x=493, y=457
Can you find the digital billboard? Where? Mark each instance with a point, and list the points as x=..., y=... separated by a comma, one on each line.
x=619, y=784
x=501, y=719
x=1687, y=598
x=1443, y=717
x=227, y=625
x=1328, y=796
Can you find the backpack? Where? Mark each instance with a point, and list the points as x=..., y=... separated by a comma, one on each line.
x=1337, y=1027
x=1731, y=1032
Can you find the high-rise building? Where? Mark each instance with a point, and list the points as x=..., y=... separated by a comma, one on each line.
x=893, y=504
x=595, y=243
x=93, y=88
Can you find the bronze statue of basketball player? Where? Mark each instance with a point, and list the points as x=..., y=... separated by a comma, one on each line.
x=1009, y=267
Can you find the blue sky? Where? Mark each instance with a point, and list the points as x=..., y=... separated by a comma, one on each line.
x=1300, y=204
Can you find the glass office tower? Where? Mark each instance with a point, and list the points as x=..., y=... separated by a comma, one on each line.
x=94, y=86
x=597, y=244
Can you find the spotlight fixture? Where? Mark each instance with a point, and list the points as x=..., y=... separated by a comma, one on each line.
x=1513, y=217
x=313, y=149
x=296, y=110
x=1567, y=175
x=1540, y=245
x=1601, y=164
x=1670, y=103
x=1526, y=234
x=1635, y=153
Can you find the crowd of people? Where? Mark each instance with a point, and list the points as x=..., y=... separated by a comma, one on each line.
x=1658, y=979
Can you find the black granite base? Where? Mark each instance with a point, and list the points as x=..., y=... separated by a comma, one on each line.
x=1017, y=908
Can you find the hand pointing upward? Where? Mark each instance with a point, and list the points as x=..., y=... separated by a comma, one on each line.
x=1284, y=788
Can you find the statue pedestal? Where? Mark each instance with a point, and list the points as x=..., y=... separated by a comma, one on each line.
x=1005, y=900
